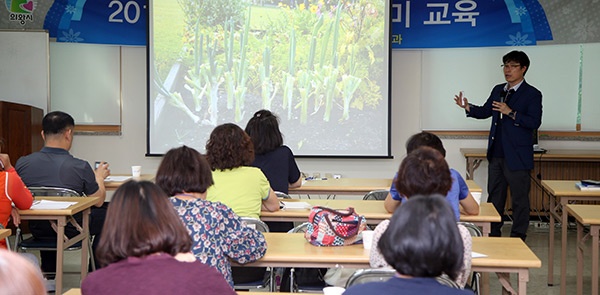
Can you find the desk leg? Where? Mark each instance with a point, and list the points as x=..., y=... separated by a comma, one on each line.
x=472, y=164
x=594, y=232
x=485, y=283
x=552, y=216
x=579, y=258
x=85, y=243
x=523, y=279
x=60, y=246
x=563, y=247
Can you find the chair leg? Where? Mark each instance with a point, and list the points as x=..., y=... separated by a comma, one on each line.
x=92, y=260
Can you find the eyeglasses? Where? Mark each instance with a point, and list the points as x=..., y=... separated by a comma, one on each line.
x=510, y=66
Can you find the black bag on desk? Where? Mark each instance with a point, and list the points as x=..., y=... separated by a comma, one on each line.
x=311, y=278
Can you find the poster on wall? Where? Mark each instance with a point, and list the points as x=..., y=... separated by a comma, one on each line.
x=119, y=22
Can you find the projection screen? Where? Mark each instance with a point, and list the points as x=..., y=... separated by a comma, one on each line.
x=322, y=66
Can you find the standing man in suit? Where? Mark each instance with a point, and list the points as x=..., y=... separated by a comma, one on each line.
x=516, y=111
x=54, y=166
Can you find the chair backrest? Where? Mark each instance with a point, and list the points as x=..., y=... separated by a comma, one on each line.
x=282, y=195
x=256, y=224
x=53, y=191
x=376, y=195
x=474, y=230
x=445, y=280
x=299, y=228
x=362, y=276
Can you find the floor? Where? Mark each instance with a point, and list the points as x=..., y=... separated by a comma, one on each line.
x=537, y=240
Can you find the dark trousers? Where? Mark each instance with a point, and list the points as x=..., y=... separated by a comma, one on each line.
x=500, y=178
x=41, y=229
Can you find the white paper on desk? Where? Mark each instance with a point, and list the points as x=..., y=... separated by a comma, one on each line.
x=51, y=205
x=477, y=255
x=296, y=205
x=117, y=178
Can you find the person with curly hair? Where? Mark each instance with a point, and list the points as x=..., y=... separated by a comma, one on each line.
x=244, y=189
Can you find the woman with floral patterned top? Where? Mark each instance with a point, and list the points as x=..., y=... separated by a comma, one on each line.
x=218, y=234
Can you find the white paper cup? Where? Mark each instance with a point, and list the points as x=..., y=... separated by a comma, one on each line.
x=367, y=237
x=333, y=290
x=477, y=197
x=136, y=171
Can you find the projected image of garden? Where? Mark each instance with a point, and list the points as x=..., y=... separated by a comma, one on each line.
x=321, y=66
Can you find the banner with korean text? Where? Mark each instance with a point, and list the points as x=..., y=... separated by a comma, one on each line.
x=119, y=22
x=478, y=23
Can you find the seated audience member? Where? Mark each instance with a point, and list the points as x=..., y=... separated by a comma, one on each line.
x=19, y=276
x=424, y=172
x=422, y=242
x=244, y=189
x=184, y=175
x=458, y=196
x=53, y=166
x=273, y=158
x=146, y=249
x=12, y=190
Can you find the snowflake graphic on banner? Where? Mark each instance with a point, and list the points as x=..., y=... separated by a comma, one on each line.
x=70, y=9
x=518, y=40
x=521, y=11
x=70, y=36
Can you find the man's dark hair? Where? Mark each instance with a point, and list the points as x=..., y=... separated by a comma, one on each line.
x=57, y=122
x=425, y=139
x=518, y=57
x=422, y=239
x=263, y=128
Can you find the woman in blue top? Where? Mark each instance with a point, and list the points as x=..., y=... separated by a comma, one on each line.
x=458, y=196
x=218, y=234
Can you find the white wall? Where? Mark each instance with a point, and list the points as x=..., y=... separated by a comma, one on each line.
x=129, y=148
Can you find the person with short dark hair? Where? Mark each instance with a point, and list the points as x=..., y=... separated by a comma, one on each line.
x=516, y=111
x=146, y=249
x=273, y=158
x=421, y=243
x=244, y=189
x=458, y=196
x=424, y=171
x=184, y=174
x=54, y=166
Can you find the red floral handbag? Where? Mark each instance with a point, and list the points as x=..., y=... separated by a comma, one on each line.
x=330, y=227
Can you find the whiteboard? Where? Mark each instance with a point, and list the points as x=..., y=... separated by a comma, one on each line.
x=85, y=81
x=24, y=68
x=554, y=70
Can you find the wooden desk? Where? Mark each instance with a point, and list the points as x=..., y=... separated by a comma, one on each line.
x=561, y=193
x=4, y=233
x=373, y=211
x=559, y=164
x=342, y=186
x=113, y=185
x=586, y=215
x=292, y=250
x=60, y=218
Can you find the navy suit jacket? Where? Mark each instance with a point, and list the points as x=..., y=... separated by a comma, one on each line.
x=517, y=135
